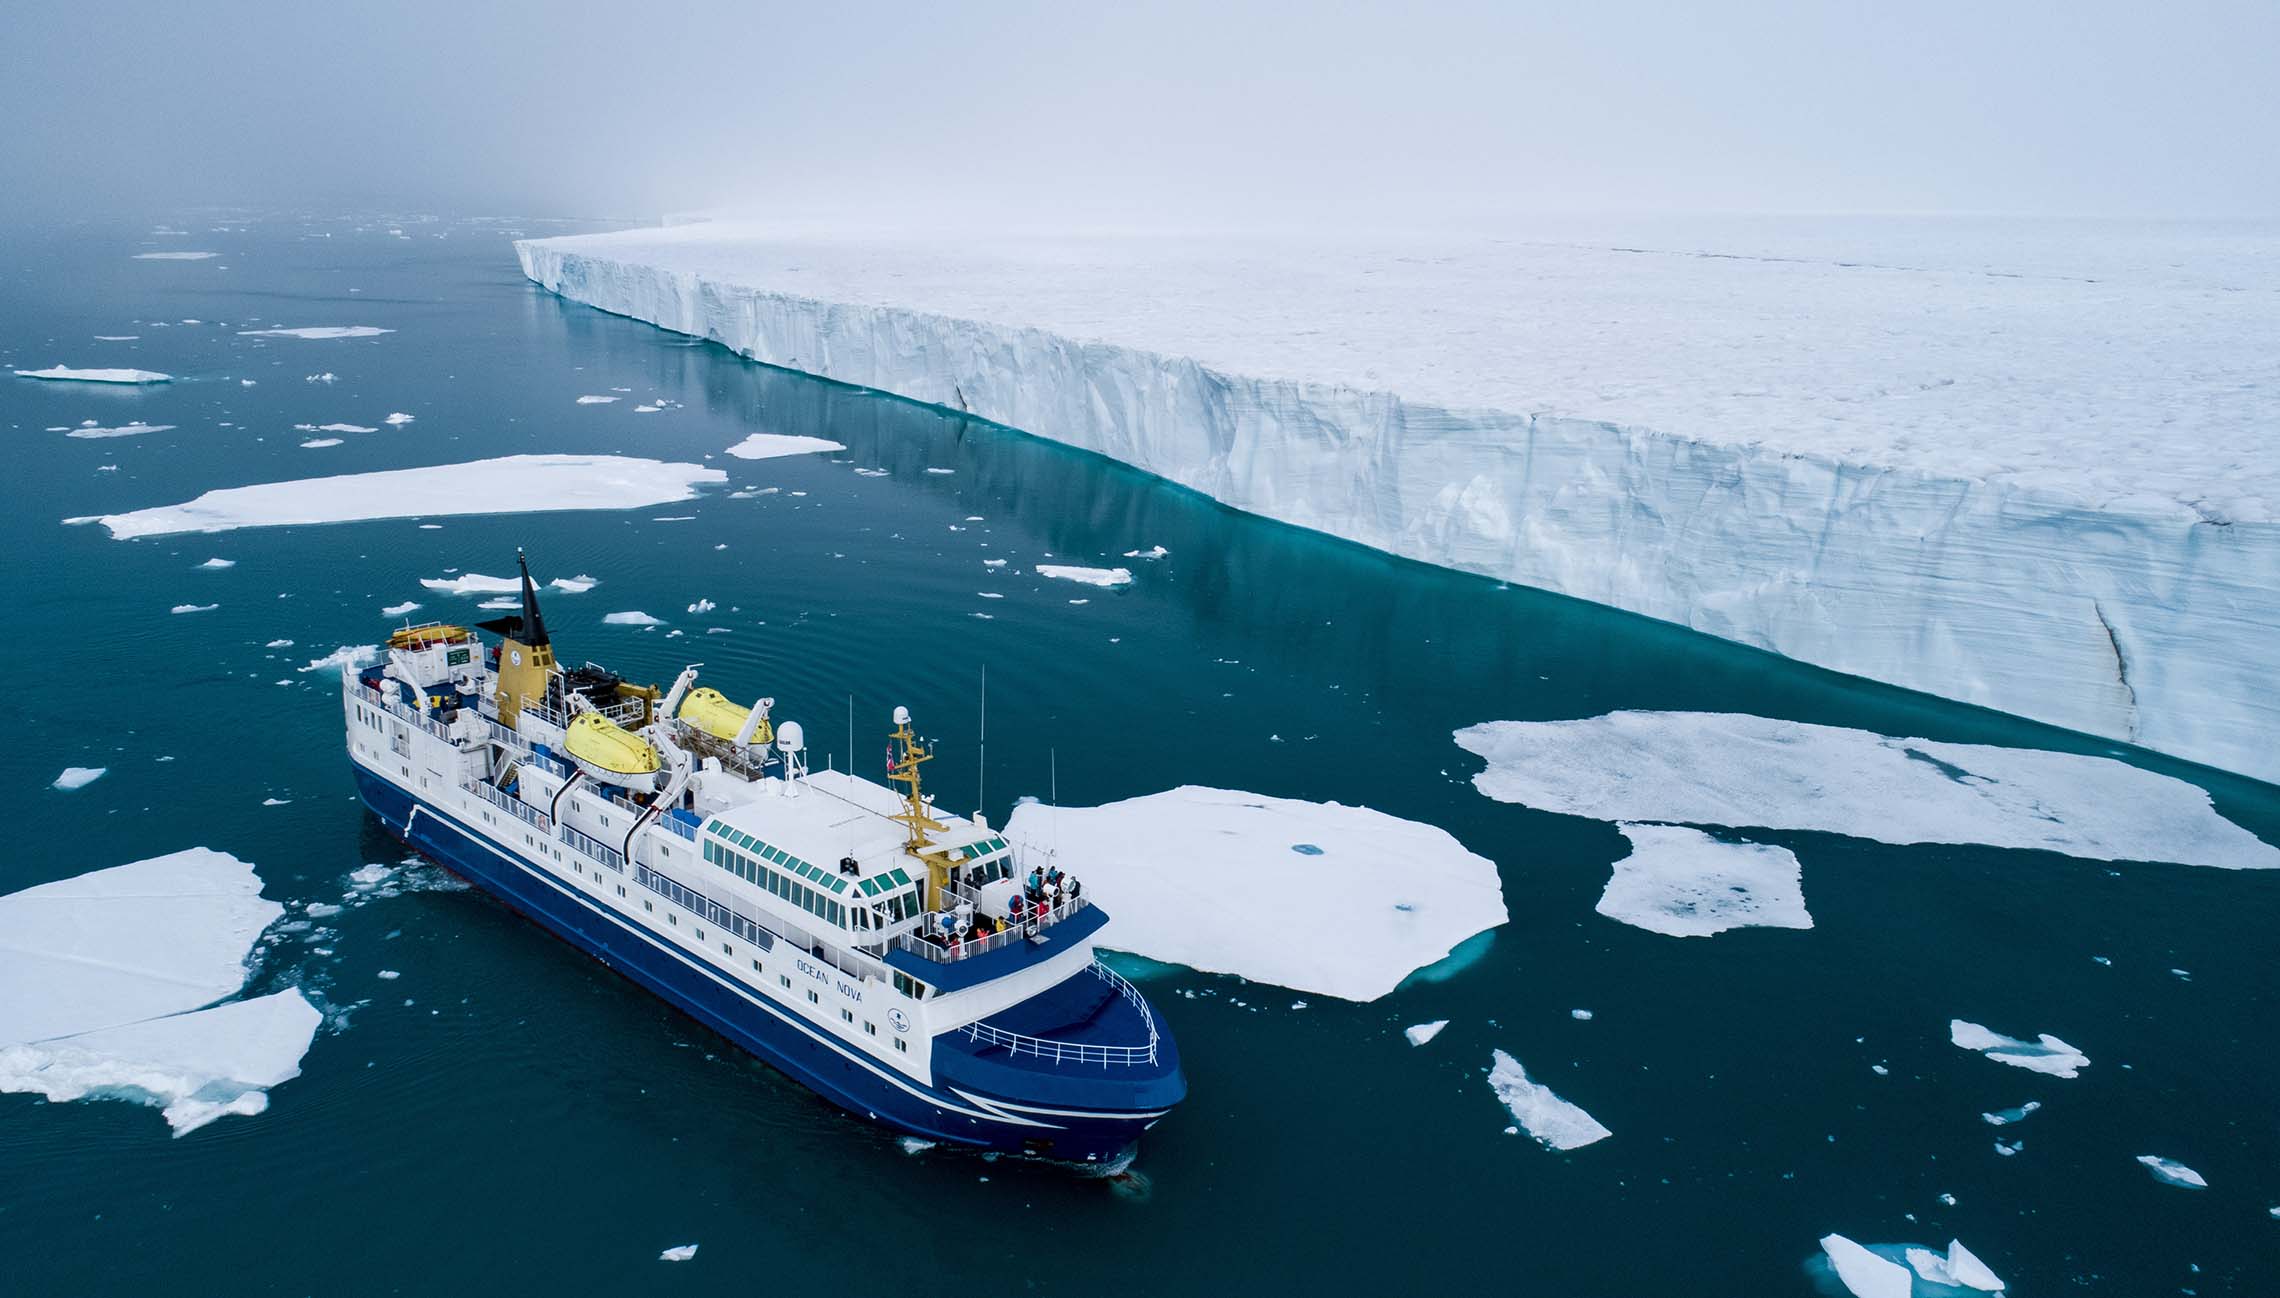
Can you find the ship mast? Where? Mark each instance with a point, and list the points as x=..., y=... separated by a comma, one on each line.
x=903, y=759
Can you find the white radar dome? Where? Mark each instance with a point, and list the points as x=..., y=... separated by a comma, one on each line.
x=902, y=716
x=790, y=738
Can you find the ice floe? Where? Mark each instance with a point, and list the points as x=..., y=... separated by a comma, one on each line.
x=2046, y=1055
x=501, y=602
x=1420, y=1033
x=1152, y=552
x=767, y=446
x=511, y=484
x=579, y=584
x=2008, y=1117
x=318, y=331
x=218, y=564
x=1103, y=577
x=193, y=608
x=79, y=777
x=398, y=610
x=90, y=432
x=1706, y=768
x=197, y=1066
x=345, y=428
x=474, y=583
x=1864, y=1274
x=66, y=373
x=631, y=618
x=2171, y=1172
x=319, y=443
x=1554, y=1122
x=399, y=417
x=678, y=1253
x=595, y=401
x=176, y=256
x=1684, y=883
x=1210, y=879
x=703, y=606
x=346, y=658
x=1959, y=1268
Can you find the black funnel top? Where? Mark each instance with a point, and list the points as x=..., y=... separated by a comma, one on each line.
x=533, y=627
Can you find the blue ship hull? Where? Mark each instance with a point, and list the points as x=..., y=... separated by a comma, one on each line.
x=1093, y=1116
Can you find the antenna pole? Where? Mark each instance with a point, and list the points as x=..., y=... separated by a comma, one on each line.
x=850, y=732
x=982, y=767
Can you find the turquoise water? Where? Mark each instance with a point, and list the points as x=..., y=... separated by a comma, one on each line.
x=508, y=1115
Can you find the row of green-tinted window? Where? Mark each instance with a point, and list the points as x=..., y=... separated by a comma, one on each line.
x=823, y=879
x=791, y=890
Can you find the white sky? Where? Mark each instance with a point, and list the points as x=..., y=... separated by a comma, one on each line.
x=1180, y=113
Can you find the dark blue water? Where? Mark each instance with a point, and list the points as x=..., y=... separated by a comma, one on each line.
x=530, y=1123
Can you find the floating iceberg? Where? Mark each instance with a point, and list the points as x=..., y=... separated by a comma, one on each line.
x=197, y=1066
x=1687, y=884
x=579, y=584
x=767, y=446
x=66, y=373
x=90, y=431
x=1212, y=879
x=2046, y=1055
x=1420, y=1033
x=318, y=331
x=474, y=583
x=2169, y=1171
x=514, y=484
x=1959, y=1268
x=398, y=610
x=1893, y=510
x=1103, y=577
x=1554, y=1122
x=1711, y=768
x=631, y=618
x=79, y=777
x=1864, y=1274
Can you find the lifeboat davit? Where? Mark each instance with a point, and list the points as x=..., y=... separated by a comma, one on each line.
x=611, y=754
x=710, y=711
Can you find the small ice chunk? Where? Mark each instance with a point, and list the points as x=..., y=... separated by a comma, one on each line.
x=278, y=644
x=942, y=472
x=1684, y=883
x=595, y=400
x=993, y=563
x=2046, y=1055
x=1420, y=1033
x=345, y=428
x=64, y=373
x=1582, y=1015
x=193, y=608
x=390, y=975
x=2006, y=1117
x=633, y=617
x=1964, y=1268
x=318, y=331
x=319, y=443
x=914, y=1145
x=1152, y=552
x=327, y=377
x=398, y=610
x=678, y=1253
x=2171, y=1172
x=473, y=583
x=1864, y=1274
x=399, y=417
x=91, y=432
x=276, y=802
x=218, y=564
x=1398, y=894
x=176, y=256
x=79, y=777
x=347, y=658
x=2010, y=1149
x=767, y=446
x=502, y=602
x=577, y=585
x=320, y=910
x=1554, y=1122
x=507, y=485
x=702, y=606
x=1103, y=577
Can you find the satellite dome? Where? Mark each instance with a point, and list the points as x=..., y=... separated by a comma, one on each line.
x=790, y=738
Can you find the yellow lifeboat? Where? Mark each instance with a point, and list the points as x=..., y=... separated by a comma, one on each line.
x=429, y=636
x=710, y=711
x=609, y=752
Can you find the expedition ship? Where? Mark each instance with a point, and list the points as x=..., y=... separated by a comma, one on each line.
x=907, y=964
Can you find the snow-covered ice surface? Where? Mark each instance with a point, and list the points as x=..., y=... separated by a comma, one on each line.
x=1399, y=895
x=512, y=484
x=1791, y=433
x=2047, y=1054
x=319, y=331
x=1556, y=1123
x=1865, y=1274
x=79, y=777
x=1687, y=884
x=1420, y=1033
x=767, y=446
x=197, y=1066
x=2169, y=1171
x=68, y=374
x=1715, y=768
x=1102, y=577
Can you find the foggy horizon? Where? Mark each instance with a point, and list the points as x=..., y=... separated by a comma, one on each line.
x=1371, y=117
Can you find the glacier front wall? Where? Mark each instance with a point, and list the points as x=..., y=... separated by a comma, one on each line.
x=2159, y=629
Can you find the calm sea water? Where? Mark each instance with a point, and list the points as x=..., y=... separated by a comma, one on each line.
x=509, y=1116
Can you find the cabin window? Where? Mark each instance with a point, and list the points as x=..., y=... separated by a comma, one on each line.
x=814, y=999
x=870, y=1029
x=902, y=1045
x=756, y=966
x=724, y=949
x=785, y=979
x=847, y=1016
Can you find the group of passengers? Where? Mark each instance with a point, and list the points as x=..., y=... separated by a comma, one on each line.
x=1040, y=897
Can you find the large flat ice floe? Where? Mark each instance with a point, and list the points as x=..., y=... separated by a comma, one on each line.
x=66, y=374
x=1714, y=768
x=1684, y=883
x=319, y=331
x=109, y=983
x=767, y=446
x=513, y=484
x=1554, y=1122
x=1865, y=1274
x=2022, y=465
x=1313, y=896
x=2047, y=1054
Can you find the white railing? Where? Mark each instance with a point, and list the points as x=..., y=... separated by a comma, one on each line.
x=1077, y=1052
x=399, y=711
x=592, y=847
x=512, y=805
x=968, y=947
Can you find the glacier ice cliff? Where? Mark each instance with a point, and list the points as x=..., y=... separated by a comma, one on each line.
x=2051, y=493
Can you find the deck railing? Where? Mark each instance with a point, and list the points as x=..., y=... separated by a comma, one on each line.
x=593, y=847
x=514, y=806
x=1077, y=1052
x=366, y=694
x=969, y=947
